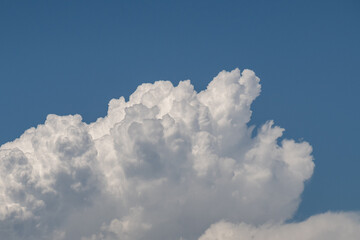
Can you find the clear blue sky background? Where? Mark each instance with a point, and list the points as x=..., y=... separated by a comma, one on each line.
x=68, y=57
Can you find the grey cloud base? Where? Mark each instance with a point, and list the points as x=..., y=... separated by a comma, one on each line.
x=168, y=164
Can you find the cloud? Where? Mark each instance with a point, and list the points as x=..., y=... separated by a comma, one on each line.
x=166, y=164
x=328, y=226
x=46, y=175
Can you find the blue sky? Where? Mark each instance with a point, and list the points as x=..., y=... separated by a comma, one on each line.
x=70, y=57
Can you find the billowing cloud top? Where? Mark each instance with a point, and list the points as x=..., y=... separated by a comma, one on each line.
x=167, y=164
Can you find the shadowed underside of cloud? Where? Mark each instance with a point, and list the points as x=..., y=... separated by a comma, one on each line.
x=167, y=164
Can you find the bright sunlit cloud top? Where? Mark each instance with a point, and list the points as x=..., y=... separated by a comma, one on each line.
x=167, y=164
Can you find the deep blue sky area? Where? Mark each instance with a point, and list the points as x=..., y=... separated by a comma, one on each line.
x=67, y=57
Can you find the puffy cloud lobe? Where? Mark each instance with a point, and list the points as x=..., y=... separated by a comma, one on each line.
x=328, y=226
x=45, y=175
x=166, y=164
x=128, y=228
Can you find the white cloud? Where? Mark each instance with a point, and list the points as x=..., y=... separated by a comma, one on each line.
x=129, y=227
x=166, y=165
x=328, y=226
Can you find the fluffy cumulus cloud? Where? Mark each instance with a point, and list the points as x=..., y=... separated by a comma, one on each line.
x=170, y=163
x=328, y=226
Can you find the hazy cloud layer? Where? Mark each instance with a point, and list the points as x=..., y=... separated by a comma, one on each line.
x=167, y=164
